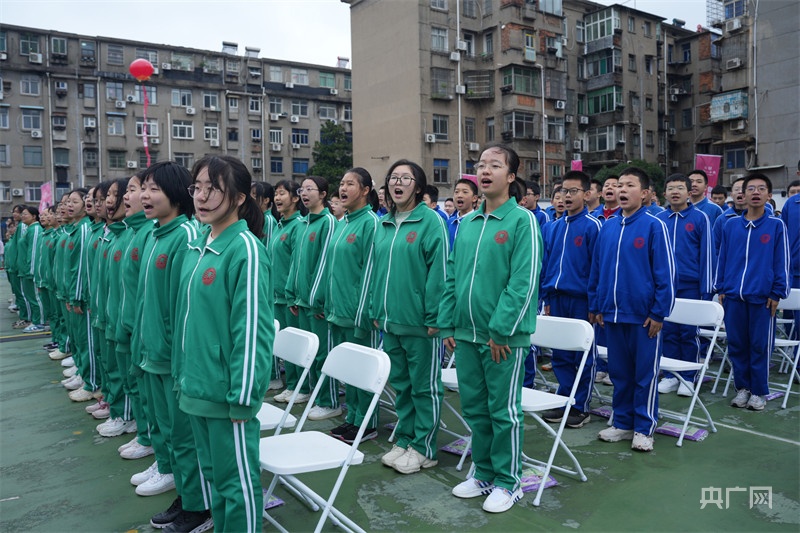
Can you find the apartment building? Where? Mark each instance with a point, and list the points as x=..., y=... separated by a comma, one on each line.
x=71, y=114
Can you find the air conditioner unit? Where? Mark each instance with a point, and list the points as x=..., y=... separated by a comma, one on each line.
x=155, y=71
x=461, y=45
x=3, y=56
x=289, y=85
x=733, y=63
x=334, y=92
x=166, y=66
x=36, y=134
x=461, y=89
x=455, y=56
x=620, y=141
x=561, y=104
x=61, y=86
x=190, y=110
x=274, y=117
x=155, y=140
x=735, y=177
x=733, y=24
x=673, y=98
x=474, y=147
x=294, y=119
x=17, y=192
x=35, y=58
x=275, y=147
x=676, y=164
x=214, y=143
x=737, y=125
x=672, y=131
x=212, y=108
x=90, y=122
x=568, y=119
x=583, y=119
x=120, y=104
x=131, y=98
x=132, y=164
x=295, y=146
x=674, y=90
x=430, y=137
x=576, y=145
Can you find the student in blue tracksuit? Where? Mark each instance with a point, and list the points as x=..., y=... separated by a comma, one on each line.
x=698, y=197
x=791, y=219
x=690, y=237
x=465, y=196
x=738, y=208
x=531, y=202
x=565, y=282
x=631, y=291
x=752, y=276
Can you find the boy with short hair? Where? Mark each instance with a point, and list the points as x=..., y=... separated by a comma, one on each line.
x=465, y=197
x=610, y=206
x=737, y=209
x=699, y=181
x=718, y=195
x=752, y=276
x=631, y=291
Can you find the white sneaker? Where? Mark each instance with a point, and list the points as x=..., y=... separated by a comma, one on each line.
x=683, y=390
x=321, y=413
x=501, y=500
x=607, y=380
x=75, y=383
x=275, y=384
x=68, y=361
x=613, y=434
x=598, y=377
x=393, y=455
x=642, y=442
x=741, y=399
x=127, y=444
x=412, y=461
x=157, y=484
x=69, y=372
x=136, y=451
x=116, y=427
x=81, y=395
x=102, y=413
x=284, y=396
x=756, y=402
x=668, y=385
x=94, y=407
x=141, y=477
x=301, y=398
x=57, y=355
x=472, y=488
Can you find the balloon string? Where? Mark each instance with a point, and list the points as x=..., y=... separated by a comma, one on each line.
x=146, y=129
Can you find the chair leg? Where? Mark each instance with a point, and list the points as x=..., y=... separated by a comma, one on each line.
x=792, y=375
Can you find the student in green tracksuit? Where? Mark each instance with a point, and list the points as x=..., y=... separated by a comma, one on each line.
x=44, y=275
x=59, y=277
x=408, y=280
x=26, y=266
x=488, y=314
x=305, y=287
x=291, y=211
x=226, y=332
x=350, y=261
x=165, y=197
x=11, y=268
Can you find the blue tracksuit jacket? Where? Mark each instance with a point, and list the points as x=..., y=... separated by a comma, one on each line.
x=709, y=208
x=570, y=250
x=690, y=236
x=719, y=224
x=791, y=219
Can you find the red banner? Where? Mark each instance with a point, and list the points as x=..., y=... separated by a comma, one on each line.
x=47, y=196
x=710, y=165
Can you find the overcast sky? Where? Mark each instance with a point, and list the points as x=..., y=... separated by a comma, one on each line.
x=308, y=31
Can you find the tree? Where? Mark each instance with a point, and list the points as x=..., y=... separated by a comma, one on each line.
x=333, y=154
x=653, y=170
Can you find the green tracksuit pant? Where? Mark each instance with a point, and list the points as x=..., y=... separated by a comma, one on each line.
x=119, y=404
x=228, y=453
x=416, y=377
x=33, y=302
x=98, y=346
x=491, y=402
x=65, y=344
x=357, y=400
x=19, y=299
x=79, y=327
x=130, y=389
x=292, y=372
x=329, y=393
x=177, y=438
x=51, y=314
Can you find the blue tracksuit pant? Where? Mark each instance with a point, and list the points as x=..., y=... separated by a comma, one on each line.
x=681, y=342
x=751, y=333
x=565, y=364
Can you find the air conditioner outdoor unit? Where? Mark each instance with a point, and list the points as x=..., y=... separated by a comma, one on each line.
x=132, y=164
x=455, y=56
x=212, y=108
x=737, y=125
x=583, y=119
x=155, y=140
x=36, y=134
x=733, y=63
x=35, y=58
x=131, y=98
x=676, y=164
x=561, y=104
x=620, y=141
x=674, y=91
x=61, y=86
x=3, y=56
x=568, y=119
x=334, y=92
x=461, y=89
x=17, y=192
x=120, y=104
x=673, y=98
x=166, y=66
x=294, y=119
x=90, y=122
x=430, y=137
x=289, y=85
x=275, y=147
x=672, y=131
x=274, y=117
x=214, y=143
x=733, y=24
x=461, y=45
x=474, y=147
x=295, y=146
x=190, y=111
x=155, y=71
x=576, y=145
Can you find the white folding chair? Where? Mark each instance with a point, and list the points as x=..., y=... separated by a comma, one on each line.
x=788, y=349
x=290, y=454
x=299, y=347
x=560, y=334
x=695, y=313
x=450, y=381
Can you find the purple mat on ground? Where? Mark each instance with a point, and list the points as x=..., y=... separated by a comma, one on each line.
x=774, y=395
x=457, y=447
x=390, y=425
x=274, y=501
x=692, y=433
x=603, y=411
x=532, y=478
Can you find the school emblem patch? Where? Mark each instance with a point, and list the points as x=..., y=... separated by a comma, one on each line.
x=312, y=237
x=135, y=254
x=638, y=242
x=117, y=256
x=63, y=244
x=765, y=238
x=161, y=262
x=283, y=237
x=209, y=276
x=501, y=237
x=95, y=245
x=689, y=227
x=578, y=241
x=351, y=238
x=105, y=254
x=71, y=246
x=411, y=237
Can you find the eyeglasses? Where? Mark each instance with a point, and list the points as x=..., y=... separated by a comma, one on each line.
x=573, y=191
x=677, y=188
x=480, y=167
x=405, y=179
x=206, y=192
x=306, y=189
x=753, y=188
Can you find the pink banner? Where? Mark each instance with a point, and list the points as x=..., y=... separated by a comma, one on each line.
x=710, y=165
x=576, y=164
x=471, y=177
x=47, y=196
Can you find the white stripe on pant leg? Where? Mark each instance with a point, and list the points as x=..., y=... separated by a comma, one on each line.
x=512, y=411
x=39, y=305
x=205, y=487
x=90, y=350
x=240, y=449
x=652, y=393
x=434, y=393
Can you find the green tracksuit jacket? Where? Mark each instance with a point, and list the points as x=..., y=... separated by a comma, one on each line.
x=60, y=262
x=280, y=251
x=97, y=264
x=305, y=287
x=77, y=276
x=27, y=250
x=44, y=269
x=131, y=261
x=409, y=272
x=269, y=228
x=493, y=278
x=225, y=323
x=112, y=297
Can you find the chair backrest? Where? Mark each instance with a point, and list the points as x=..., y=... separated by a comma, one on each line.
x=792, y=302
x=696, y=313
x=297, y=346
x=277, y=325
x=359, y=366
x=563, y=333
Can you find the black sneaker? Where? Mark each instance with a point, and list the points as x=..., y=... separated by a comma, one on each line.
x=553, y=415
x=576, y=419
x=341, y=430
x=350, y=436
x=191, y=522
x=165, y=518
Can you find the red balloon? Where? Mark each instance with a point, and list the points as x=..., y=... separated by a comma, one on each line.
x=141, y=69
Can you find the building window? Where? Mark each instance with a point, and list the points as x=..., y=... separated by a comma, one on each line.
x=182, y=129
x=255, y=135
x=555, y=129
x=276, y=165
x=348, y=112
x=233, y=105
x=33, y=191
x=32, y=156
x=469, y=38
x=4, y=118
x=30, y=85
x=87, y=91
x=631, y=25
x=648, y=64
x=300, y=108
x=4, y=159
x=440, y=127
x=632, y=62
x=31, y=119
x=601, y=139
x=488, y=45
x=648, y=103
x=348, y=82
x=255, y=162
x=152, y=95
x=551, y=6
x=601, y=24
x=254, y=105
x=299, y=136
x=327, y=111
x=604, y=100
x=185, y=159
x=439, y=4
x=686, y=118
x=441, y=83
x=3, y=41
x=522, y=80
x=441, y=171
x=59, y=122
x=581, y=68
x=211, y=101
x=490, y=129
x=300, y=166
x=59, y=46
x=276, y=135
x=233, y=134
x=686, y=49
x=143, y=158
x=603, y=62
x=61, y=157
x=650, y=138
x=299, y=76
x=580, y=32
x=90, y=158
x=88, y=50
x=28, y=44
x=487, y=7
x=182, y=97
x=648, y=29
x=213, y=65
x=114, y=54
x=232, y=66
x=734, y=8
x=470, y=134
x=439, y=39
x=183, y=62
x=114, y=90
x=211, y=131
x=116, y=125
x=734, y=157
x=521, y=125
x=327, y=79
x=637, y=139
x=275, y=74
x=469, y=8
x=275, y=105
x=116, y=159
x=148, y=54
x=5, y=191
x=555, y=84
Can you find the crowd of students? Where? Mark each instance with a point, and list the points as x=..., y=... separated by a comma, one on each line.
x=160, y=292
